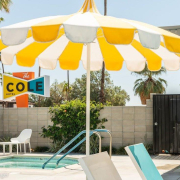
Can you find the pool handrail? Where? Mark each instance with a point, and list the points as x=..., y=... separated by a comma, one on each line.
x=95, y=131
x=68, y=144
x=110, y=135
x=80, y=142
x=63, y=148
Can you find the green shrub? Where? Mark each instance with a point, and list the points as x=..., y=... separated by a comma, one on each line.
x=41, y=149
x=106, y=148
x=70, y=119
x=56, y=146
x=149, y=148
x=121, y=151
x=94, y=145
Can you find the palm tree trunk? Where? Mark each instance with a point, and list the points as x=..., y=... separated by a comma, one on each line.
x=105, y=7
x=68, y=86
x=102, y=98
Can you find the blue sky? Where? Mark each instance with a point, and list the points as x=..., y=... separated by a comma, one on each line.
x=155, y=12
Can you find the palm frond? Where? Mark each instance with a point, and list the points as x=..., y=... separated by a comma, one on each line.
x=138, y=80
x=4, y=5
x=149, y=84
x=163, y=81
x=158, y=73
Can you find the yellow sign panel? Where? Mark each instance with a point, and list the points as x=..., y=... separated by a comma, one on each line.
x=13, y=86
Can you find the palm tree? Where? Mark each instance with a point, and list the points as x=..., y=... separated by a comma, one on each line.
x=67, y=89
x=4, y=5
x=102, y=96
x=149, y=84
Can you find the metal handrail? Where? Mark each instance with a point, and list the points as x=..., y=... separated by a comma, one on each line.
x=110, y=135
x=69, y=143
x=63, y=148
x=91, y=132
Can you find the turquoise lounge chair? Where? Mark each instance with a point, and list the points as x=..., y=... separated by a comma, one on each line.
x=143, y=162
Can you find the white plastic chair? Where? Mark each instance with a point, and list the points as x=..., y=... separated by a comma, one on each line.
x=23, y=138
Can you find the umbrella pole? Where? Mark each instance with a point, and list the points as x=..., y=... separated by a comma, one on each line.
x=88, y=101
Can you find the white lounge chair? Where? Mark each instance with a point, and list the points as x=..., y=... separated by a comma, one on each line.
x=23, y=138
x=99, y=167
x=143, y=162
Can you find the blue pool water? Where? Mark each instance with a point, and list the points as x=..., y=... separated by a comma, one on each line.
x=34, y=162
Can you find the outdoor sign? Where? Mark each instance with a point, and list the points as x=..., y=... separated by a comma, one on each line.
x=24, y=75
x=23, y=100
x=13, y=86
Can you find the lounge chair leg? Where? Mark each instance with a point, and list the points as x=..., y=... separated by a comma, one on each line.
x=17, y=148
x=30, y=147
x=24, y=148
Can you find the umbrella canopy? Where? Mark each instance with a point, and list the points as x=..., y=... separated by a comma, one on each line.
x=113, y=40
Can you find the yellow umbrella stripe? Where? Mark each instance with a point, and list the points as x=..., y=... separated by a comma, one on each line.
x=29, y=34
x=115, y=30
x=95, y=8
x=70, y=57
x=112, y=58
x=86, y=7
x=48, y=30
x=171, y=44
x=91, y=4
x=2, y=46
x=153, y=60
x=118, y=36
x=83, y=6
x=27, y=56
x=45, y=33
x=162, y=44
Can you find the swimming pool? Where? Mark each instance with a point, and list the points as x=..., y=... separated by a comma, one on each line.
x=34, y=162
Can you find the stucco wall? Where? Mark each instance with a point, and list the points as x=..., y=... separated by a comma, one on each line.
x=128, y=125
x=14, y=120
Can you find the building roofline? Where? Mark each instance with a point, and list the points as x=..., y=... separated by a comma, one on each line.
x=170, y=27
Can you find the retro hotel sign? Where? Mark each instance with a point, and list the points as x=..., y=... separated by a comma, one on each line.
x=13, y=86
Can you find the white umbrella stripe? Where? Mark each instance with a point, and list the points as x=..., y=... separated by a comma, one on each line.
x=7, y=54
x=48, y=58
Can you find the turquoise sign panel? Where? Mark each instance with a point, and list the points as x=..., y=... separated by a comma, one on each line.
x=145, y=162
x=36, y=86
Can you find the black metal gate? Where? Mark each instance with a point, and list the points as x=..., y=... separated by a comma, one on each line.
x=166, y=128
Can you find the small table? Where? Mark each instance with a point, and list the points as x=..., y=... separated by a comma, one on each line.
x=4, y=144
x=10, y=146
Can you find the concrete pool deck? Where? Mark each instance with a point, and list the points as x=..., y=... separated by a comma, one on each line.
x=168, y=166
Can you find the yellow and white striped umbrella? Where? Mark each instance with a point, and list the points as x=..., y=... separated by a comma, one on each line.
x=113, y=40
x=92, y=38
